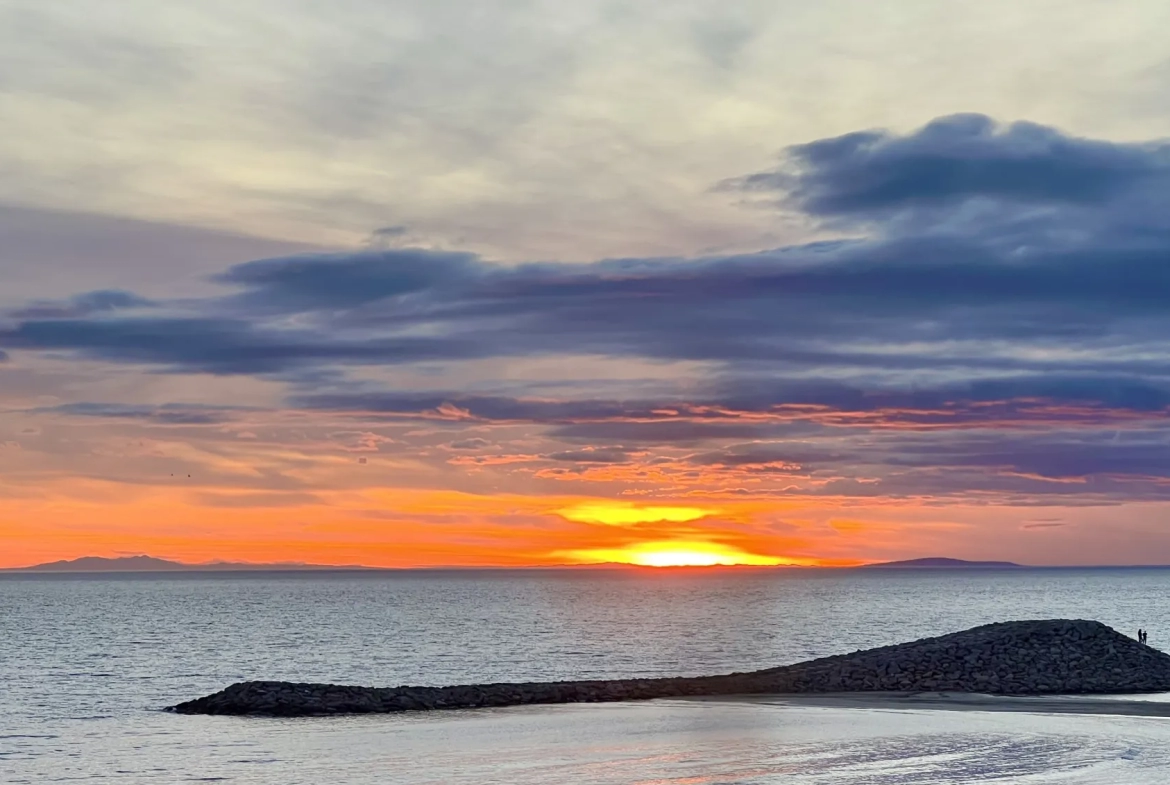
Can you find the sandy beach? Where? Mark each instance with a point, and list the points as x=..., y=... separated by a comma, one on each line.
x=1130, y=706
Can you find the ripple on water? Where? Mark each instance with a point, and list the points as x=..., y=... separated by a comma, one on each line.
x=86, y=662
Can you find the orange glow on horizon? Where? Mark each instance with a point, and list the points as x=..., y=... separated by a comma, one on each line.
x=609, y=513
x=398, y=527
x=681, y=554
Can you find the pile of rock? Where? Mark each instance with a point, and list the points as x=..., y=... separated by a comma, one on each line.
x=1008, y=658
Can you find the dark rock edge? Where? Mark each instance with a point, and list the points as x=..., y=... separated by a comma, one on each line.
x=1045, y=657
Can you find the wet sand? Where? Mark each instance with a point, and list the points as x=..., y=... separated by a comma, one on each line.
x=1120, y=705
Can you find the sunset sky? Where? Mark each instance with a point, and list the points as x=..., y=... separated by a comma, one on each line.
x=443, y=282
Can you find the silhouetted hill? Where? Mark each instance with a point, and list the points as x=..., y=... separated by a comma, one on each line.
x=942, y=562
x=152, y=564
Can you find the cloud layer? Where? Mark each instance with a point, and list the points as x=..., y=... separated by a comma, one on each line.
x=986, y=325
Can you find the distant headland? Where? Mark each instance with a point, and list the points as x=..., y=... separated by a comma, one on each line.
x=152, y=564
x=939, y=562
x=144, y=563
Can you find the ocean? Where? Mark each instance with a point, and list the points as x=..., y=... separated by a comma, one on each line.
x=87, y=663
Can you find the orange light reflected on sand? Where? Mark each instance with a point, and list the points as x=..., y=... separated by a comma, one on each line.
x=680, y=554
x=626, y=514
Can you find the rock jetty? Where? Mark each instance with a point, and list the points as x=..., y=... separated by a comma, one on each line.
x=1047, y=657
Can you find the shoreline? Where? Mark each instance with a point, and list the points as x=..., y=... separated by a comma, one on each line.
x=955, y=701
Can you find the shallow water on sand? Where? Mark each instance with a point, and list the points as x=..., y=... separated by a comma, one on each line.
x=86, y=662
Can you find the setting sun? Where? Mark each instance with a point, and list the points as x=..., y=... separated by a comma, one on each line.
x=679, y=554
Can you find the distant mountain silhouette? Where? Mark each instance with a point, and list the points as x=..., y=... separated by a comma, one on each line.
x=151, y=564
x=939, y=561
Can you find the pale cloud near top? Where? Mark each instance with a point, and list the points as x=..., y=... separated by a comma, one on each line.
x=528, y=129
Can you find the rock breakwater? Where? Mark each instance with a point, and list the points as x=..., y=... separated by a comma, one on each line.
x=1046, y=657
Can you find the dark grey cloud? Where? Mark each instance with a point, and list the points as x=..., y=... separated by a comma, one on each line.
x=469, y=444
x=1108, y=465
x=389, y=232
x=167, y=414
x=957, y=158
x=1017, y=281
x=82, y=305
x=218, y=345
x=1098, y=463
x=947, y=295
x=773, y=308
x=344, y=281
x=494, y=408
x=990, y=400
x=592, y=455
x=663, y=432
x=1066, y=456
x=741, y=408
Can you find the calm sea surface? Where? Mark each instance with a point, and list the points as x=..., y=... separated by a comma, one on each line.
x=87, y=662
